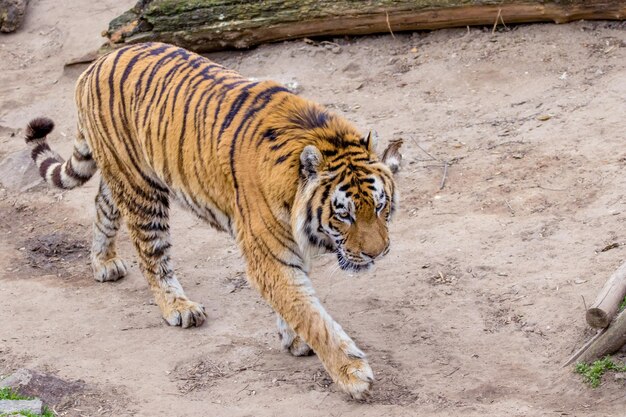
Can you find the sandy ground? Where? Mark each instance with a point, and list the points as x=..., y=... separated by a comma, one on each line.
x=471, y=314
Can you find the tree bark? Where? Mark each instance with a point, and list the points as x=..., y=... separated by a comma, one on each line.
x=602, y=311
x=210, y=25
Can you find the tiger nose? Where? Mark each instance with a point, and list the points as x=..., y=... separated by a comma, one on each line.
x=373, y=254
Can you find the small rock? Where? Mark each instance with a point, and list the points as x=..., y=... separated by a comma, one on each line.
x=12, y=406
x=332, y=47
x=293, y=86
x=351, y=67
x=19, y=378
x=11, y=14
x=621, y=376
x=18, y=172
x=544, y=117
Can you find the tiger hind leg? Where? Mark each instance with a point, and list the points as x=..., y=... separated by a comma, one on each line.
x=107, y=266
x=290, y=339
x=147, y=218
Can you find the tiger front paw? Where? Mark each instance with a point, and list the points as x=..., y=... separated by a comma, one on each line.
x=109, y=270
x=351, y=372
x=185, y=313
x=356, y=378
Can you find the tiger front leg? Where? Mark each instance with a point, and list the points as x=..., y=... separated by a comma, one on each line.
x=289, y=292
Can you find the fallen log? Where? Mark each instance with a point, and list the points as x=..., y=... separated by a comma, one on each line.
x=210, y=25
x=610, y=341
x=607, y=303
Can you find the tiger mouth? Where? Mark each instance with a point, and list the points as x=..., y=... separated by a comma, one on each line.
x=349, y=265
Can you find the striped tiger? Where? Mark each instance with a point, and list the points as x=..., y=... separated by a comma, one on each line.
x=283, y=175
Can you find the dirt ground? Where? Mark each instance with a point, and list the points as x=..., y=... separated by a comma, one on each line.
x=471, y=314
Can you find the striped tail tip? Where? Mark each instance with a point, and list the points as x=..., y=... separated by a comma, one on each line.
x=38, y=128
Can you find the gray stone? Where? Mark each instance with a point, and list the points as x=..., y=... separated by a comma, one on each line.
x=11, y=14
x=21, y=377
x=12, y=406
x=18, y=172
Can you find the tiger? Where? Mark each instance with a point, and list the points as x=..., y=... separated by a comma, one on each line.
x=285, y=177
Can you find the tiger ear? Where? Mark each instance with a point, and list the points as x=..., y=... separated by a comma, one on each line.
x=370, y=141
x=310, y=160
x=392, y=156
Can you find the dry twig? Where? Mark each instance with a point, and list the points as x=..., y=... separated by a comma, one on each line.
x=582, y=350
x=445, y=174
x=495, y=24
x=453, y=371
x=389, y=26
x=424, y=150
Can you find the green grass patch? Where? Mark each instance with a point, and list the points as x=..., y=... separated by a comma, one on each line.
x=46, y=413
x=622, y=305
x=592, y=373
x=8, y=394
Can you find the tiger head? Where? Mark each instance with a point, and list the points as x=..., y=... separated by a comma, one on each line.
x=347, y=197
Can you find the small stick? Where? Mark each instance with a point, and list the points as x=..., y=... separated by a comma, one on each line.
x=445, y=164
x=247, y=385
x=495, y=24
x=445, y=174
x=580, y=351
x=520, y=142
x=502, y=20
x=455, y=369
x=551, y=189
x=424, y=150
x=509, y=206
x=389, y=26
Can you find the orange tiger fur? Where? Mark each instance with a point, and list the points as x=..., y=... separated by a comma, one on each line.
x=281, y=174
